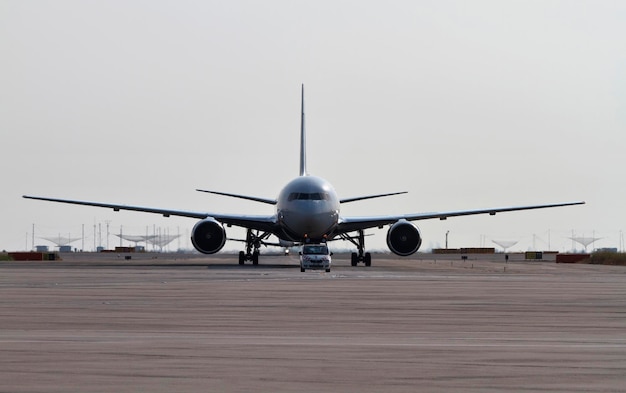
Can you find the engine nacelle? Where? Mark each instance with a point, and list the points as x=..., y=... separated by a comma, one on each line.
x=208, y=236
x=404, y=238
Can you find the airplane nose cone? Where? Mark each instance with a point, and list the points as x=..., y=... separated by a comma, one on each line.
x=308, y=207
x=312, y=226
x=316, y=226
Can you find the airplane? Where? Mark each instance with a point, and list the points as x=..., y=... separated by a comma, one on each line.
x=307, y=210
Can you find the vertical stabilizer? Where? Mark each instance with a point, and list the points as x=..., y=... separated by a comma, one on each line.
x=302, y=139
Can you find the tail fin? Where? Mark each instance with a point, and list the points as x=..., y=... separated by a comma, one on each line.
x=302, y=139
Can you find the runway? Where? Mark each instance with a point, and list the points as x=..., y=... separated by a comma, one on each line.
x=168, y=323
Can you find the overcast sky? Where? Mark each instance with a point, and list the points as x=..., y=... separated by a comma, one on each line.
x=463, y=104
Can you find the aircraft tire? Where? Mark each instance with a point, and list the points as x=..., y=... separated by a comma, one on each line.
x=302, y=270
x=354, y=259
x=242, y=257
x=327, y=270
x=367, y=259
x=255, y=258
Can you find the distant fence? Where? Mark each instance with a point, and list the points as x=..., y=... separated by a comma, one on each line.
x=480, y=250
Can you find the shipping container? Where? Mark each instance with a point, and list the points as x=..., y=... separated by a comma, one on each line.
x=572, y=258
x=34, y=256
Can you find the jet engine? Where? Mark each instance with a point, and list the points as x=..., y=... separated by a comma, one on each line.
x=208, y=236
x=404, y=238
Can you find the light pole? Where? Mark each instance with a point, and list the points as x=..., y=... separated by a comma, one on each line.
x=447, y=239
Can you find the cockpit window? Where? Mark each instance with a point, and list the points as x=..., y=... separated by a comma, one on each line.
x=315, y=250
x=315, y=196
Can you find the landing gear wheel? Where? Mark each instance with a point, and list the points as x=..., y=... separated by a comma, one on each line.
x=242, y=257
x=255, y=258
x=302, y=270
x=367, y=259
x=354, y=259
x=327, y=270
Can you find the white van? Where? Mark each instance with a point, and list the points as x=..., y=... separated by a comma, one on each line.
x=315, y=256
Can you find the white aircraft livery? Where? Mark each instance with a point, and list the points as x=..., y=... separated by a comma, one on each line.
x=307, y=211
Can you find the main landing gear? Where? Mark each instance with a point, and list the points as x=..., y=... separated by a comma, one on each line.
x=253, y=257
x=361, y=256
x=253, y=244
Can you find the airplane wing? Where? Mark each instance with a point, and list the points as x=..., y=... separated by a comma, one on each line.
x=346, y=200
x=262, y=223
x=350, y=224
x=274, y=201
x=250, y=198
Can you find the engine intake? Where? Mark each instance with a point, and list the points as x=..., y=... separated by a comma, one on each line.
x=208, y=236
x=404, y=238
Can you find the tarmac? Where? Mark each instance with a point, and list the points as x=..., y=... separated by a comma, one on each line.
x=170, y=323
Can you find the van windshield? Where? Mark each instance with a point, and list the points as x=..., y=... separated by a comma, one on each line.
x=315, y=250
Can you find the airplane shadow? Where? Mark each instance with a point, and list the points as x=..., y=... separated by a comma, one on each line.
x=260, y=266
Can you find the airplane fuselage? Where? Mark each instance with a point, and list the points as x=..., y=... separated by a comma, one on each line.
x=307, y=209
